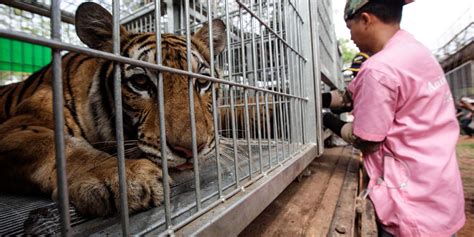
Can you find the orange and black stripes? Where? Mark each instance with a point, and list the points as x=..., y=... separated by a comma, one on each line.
x=12, y=95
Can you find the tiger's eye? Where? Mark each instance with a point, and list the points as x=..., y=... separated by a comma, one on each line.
x=202, y=83
x=140, y=81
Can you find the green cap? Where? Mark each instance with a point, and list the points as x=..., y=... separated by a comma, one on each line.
x=352, y=6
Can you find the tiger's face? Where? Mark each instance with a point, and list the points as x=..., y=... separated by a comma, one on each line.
x=140, y=95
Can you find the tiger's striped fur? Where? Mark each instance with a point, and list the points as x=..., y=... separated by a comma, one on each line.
x=27, y=158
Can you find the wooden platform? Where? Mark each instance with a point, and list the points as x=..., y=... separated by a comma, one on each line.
x=322, y=203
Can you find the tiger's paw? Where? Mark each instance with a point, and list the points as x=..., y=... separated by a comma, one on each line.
x=97, y=192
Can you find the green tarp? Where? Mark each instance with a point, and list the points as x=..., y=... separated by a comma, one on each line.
x=18, y=56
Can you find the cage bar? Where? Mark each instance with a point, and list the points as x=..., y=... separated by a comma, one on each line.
x=59, y=122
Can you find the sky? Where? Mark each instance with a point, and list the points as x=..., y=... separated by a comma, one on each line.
x=433, y=22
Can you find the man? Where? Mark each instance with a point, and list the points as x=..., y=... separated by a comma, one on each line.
x=405, y=125
x=466, y=119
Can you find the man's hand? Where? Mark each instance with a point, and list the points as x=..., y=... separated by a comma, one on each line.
x=338, y=101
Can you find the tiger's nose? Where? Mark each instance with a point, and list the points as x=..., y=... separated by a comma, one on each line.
x=186, y=152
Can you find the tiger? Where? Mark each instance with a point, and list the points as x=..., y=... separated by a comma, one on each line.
x=27, y=156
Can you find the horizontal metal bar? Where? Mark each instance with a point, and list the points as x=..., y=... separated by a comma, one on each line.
x=251, y=104
x=100, y=54
x=38, y=8
x=229, y=218
x=269, y=29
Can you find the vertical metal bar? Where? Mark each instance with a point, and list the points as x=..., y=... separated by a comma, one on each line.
x=298, y=61
x=288, y=74
x=267, y=115
x=257, y=104
x=272, y=80
x=119, y=121
x=244, y=79
x=298, y=69
x=285, y=65
x=293, y=77
x=142, y=29
x=234, y=135
x=231, y=90
x=194, y=14
x=191, y=110
x=277, y=99
x=314, y=36
x=283, y=78
x=257, y=98
x=297, y=75
x=292, y=84
x=182, y=17
x=58, y=102
x=279, y=83
x=214, y=100
x=302, y=78
x=161, y=108
x=264, y=74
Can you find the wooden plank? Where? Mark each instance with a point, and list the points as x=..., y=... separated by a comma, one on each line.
x=321, y=221
x=368, y=221
x=343, y=223
x=291, y=212
x=366, y=218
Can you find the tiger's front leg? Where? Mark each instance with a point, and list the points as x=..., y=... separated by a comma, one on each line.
x=28, y=164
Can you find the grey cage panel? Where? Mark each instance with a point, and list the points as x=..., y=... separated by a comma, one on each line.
x=266, y=107
x=461, y=80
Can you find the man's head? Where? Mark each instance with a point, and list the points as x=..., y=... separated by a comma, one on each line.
x=373, y=22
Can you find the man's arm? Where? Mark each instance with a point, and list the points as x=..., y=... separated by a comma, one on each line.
x=344, y=130
x=338, y=101
x=467, y=105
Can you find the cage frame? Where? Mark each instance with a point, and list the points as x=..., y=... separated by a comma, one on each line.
x=250, y=198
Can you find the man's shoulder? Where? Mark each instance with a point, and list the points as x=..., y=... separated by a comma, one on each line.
x=406, y=55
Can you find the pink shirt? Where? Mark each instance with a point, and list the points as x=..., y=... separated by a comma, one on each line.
x=402, y=99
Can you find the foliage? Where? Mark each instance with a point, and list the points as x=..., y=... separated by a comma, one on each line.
x=348, y=51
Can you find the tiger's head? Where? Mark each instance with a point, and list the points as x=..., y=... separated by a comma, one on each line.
x=139, y=86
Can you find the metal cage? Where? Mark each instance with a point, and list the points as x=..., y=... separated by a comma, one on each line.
x=267, y=118
x=461, y=80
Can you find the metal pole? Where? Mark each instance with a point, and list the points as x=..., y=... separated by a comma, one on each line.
x=246, y=106
x=119, y=122
x=264, y=75
x=272, y=80
x=276, y=15
x=256, y=79
x=161, y=108
x=231, y=91
x=191, y=110
x=313, y=11
x=214, y=101
x=58, y=103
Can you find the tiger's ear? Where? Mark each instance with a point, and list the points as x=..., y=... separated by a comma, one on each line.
x=94, y=26
x=219, y=37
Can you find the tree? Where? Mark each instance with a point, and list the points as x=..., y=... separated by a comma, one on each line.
x=348, y=50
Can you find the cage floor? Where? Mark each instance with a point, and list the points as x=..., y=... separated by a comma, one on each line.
x=39, y=215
